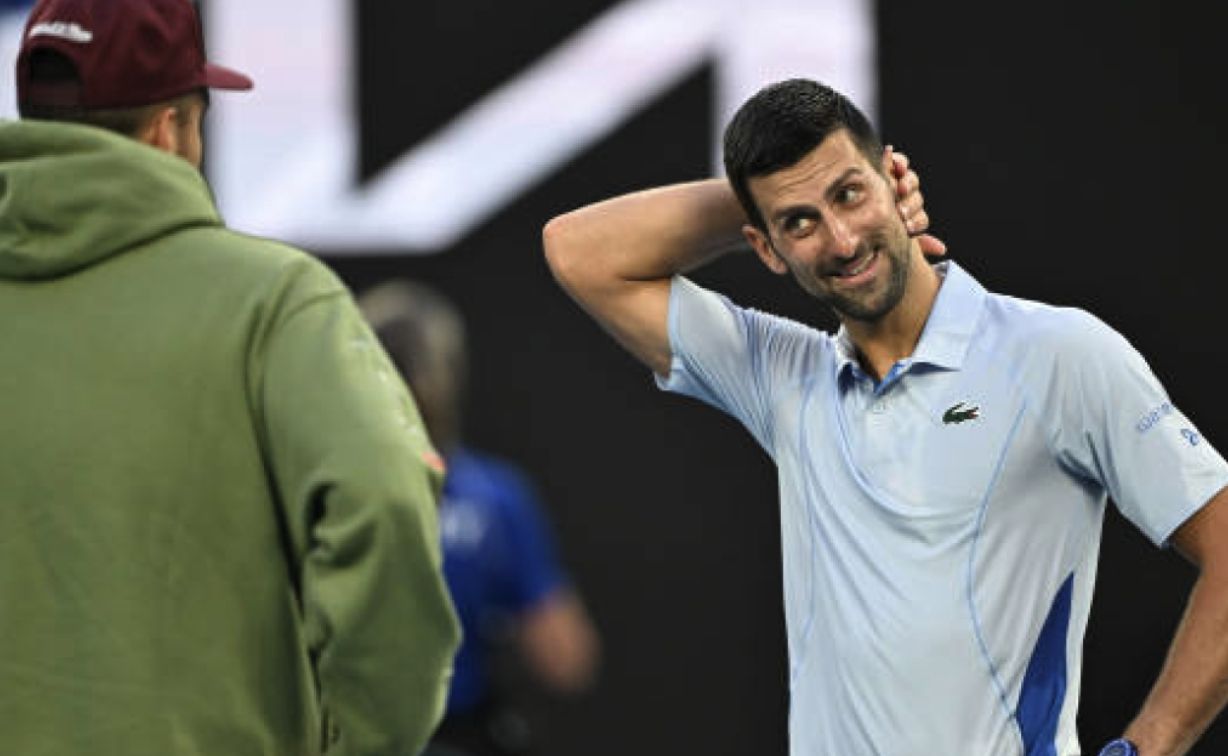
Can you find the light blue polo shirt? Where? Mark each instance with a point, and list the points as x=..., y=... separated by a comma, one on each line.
x=940, y=530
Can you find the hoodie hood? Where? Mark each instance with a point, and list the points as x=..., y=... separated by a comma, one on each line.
x=71, y=196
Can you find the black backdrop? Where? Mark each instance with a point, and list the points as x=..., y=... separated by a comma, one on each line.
x=1070, y=153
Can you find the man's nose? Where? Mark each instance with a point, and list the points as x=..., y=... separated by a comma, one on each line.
x=844, y=241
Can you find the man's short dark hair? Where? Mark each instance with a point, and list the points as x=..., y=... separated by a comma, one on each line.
x=780, y=125
x=52, y=72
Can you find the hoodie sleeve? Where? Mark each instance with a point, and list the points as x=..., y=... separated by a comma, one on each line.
x=358, y=481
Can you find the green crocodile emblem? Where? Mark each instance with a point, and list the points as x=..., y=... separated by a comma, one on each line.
x=960, y=413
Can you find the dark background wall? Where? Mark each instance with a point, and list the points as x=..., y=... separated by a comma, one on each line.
x=1070, y=153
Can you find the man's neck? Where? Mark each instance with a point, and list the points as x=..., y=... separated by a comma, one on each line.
x=886, y=341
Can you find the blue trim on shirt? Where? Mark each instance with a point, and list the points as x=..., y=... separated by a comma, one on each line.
x=1044, y=684
x=977, y=628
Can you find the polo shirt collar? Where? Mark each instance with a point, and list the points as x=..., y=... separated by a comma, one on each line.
x=948, y=330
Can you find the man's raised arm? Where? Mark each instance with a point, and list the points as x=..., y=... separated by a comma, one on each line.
x=616, y=257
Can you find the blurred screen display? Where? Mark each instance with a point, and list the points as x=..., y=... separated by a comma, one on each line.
x=284, y=160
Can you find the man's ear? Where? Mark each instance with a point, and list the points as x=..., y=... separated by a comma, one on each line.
x=759, y=242
x=161, y=131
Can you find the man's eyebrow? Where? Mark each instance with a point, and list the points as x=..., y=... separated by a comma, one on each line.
x=833, y=189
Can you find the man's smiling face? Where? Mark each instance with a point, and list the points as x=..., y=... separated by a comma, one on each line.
x=832, y=222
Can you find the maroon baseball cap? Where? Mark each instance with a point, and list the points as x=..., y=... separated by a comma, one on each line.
x=127, y=53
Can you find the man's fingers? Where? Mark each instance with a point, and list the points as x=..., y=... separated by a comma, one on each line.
x=911, y=208
x=917, y=221
x=907, y=184
x=911, y=204
x=931, y=246
x=899, y=162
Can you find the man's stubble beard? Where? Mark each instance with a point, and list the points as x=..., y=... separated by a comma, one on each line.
x=895, y=255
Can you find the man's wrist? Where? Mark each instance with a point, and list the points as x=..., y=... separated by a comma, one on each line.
x=1120, y=747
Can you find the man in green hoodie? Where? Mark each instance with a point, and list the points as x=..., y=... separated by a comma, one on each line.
x=218, y=531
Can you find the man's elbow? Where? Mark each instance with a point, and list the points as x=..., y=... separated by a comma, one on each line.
x=559, y=245
x=574, y=256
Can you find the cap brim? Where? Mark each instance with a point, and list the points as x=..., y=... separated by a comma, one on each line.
x=220, y=77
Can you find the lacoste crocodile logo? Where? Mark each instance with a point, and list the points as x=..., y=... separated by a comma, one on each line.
x=960, y=413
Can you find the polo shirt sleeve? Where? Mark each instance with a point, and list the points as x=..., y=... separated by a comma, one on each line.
x=1116, y=424
x=730, y=357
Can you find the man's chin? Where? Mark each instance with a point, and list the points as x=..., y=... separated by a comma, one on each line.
x=860, y=313
x=871, y=307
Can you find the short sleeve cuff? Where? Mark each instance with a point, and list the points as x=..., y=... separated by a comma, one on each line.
x=1162, y=534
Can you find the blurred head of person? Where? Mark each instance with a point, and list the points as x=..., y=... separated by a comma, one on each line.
x=424, y=335
x=135, y=67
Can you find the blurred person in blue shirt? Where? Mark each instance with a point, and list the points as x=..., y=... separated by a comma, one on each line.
x=499, y=559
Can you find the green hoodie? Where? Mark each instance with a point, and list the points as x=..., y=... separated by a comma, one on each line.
x=218, y=531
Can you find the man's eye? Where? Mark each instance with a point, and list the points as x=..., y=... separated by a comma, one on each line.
x=799, y=225
x=850, y=195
